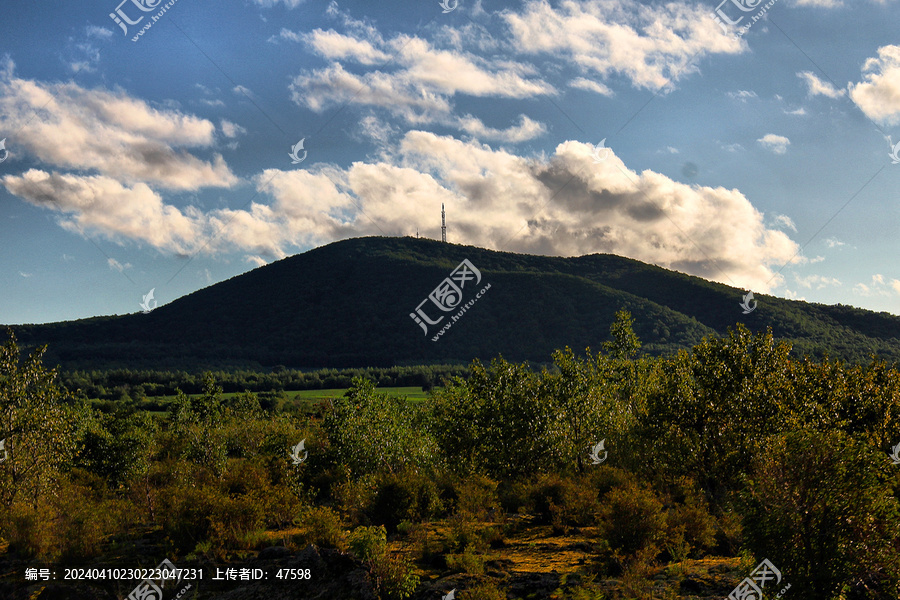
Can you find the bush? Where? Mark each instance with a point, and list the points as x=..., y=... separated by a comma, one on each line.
x=406, y=496
x=564, y=502
x=633, y=522
x=393, y=577
x=486, y=590
x=323, y=528
x=476, y=496
x=368, y=542
x=466, y=562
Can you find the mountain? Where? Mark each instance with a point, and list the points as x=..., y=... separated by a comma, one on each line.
x=348, y=304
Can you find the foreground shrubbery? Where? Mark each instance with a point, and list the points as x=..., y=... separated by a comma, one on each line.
x=730, y=447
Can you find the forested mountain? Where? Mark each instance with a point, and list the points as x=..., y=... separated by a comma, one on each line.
x=348, y=304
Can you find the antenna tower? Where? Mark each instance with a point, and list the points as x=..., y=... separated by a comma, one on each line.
x=443, y=225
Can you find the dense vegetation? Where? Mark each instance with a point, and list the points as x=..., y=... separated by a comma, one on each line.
x=347, y=304
x=131, y=385
x=733, y=448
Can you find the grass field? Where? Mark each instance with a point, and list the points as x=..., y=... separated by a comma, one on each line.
x=303, y=399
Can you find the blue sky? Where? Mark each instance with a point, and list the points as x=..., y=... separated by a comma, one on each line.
x=760, y=160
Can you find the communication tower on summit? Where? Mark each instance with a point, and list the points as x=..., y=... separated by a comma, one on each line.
x=443, y=225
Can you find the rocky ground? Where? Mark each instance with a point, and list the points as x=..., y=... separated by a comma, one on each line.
x=532, y=563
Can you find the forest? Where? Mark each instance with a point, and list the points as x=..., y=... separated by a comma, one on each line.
x=606, y=474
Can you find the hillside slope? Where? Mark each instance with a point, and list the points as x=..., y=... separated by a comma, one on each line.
x=349, y=304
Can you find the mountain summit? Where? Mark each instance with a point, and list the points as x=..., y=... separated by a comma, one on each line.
x=380, y=301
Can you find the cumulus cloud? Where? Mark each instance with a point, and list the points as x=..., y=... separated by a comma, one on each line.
x=527, y=129
x=878, y=95
x=817, y=87
x=231, y=130
x=649, y=44
x=564, y=204
x=110, y=133
x=776, y=143
x=786, y=222
x=102, y=204
x=591, y=86
x=421, y=88
x=878, y=287
x=817, y=281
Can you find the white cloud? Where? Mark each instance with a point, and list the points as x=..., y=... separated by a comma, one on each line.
x=742, y=95
x=271, y=3
x=25, y=275
x=878, y=287
x=878, y=95
x=337, y=46
x=116, y=265
x=231, y=130
x=786, y=222
x=527, y=129
x=833, y=243
x=649, y=44
x=98, y=32
x=819, y=3
x=817, y=281
x=591, y=86
x=110, y=133
x=776, y=143
x=102, y=204
x=793, y=295
x=256, y=260
x=817, y=87
x=564, y=204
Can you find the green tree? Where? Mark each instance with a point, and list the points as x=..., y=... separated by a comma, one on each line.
x=36, y=424
x=821, y=507
x=372, y=432
x=625, y=342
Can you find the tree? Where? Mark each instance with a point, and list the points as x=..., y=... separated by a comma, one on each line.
x=820, y=506
x=36, y=424
x=625, y=342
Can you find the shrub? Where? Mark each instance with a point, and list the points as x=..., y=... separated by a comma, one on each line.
x=466, y=562
x=563, y=502
x=476, y=496
x=406, y=496
x=393, y=577
x=322, y=527
x=368, y=542
x=633, y=522
x=486, y=590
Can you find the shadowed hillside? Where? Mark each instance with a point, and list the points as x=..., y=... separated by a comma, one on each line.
x=349, y=303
